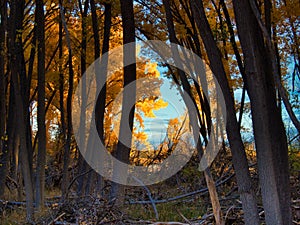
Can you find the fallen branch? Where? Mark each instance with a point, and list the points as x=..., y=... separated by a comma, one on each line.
x=205, y=217
x=227, y=213
x=201, y=191
x=149, y=196
x=14, y=203
x=169, y=223
x=56, y=219
x=10, y=203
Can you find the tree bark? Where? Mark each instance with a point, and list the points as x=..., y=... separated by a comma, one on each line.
x=82, y=137
x=41, y=158
x=128, y=106
x=12, y=134
x=61, y=98
x=269, y=132
x=16, y=67
x=3, y=136
x=65, y=174
x=101, y=81
x=194, y=123
x=274, y=64
x=232, y=127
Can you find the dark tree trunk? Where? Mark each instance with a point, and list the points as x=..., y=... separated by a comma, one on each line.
x=194, y=119
x=12, y=134
x=102, y=96
x=3, y=136
x=232, y=127
x=65, y=173
x=15, y=41
x=101, y=81
x=41, y=159
x=269, y=132
x=61, y=98
x=84, y=166
x=128, y=106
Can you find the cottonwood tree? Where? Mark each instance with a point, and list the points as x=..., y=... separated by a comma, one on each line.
x=100, y=105
x=68, y=136
x=269, y=132
x=3, y=150
x=61, y=97
x=237, y=148
x=193, y=118
x=83, y=10
x=41, y=159
x=122, y=151
x=16, y=50
x=257, y=60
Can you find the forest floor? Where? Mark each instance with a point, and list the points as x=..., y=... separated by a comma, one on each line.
x=178, y=200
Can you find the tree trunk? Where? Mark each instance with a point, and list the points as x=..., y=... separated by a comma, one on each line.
x=64, y=184
x=269, y=132
x=3, y=136
x=65, y=173
x=16, y=67
x=12, y=134
x=82, y=136
x=194, y=123
x=101, y=81
x=232, y=127
x=41, y=158
x=128, y=106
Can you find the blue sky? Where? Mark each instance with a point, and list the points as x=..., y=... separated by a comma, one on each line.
x=156, y=128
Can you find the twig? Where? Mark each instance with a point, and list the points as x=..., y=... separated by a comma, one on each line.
x=56, y=219
x=139, y=221
x=75, y=178
x=149, y=196
x=230, y=208
x=183, y=217
x=232, y=190
x=168, y=223
x=205, y=217
x=261, y=213
x=13, y=181
x=294, y=138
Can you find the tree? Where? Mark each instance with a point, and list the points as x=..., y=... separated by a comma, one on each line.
x=61, y=99
x=3, y=136
x=83, y=45
x=67, y=143
x=193, y=118
x=269, y=132
x=250, y=46
x=100, y=104
x=123, y=149
x=237, y=148
x=15, y=43
x=41, y=160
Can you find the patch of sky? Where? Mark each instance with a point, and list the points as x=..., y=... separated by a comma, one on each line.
x=156, y=128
